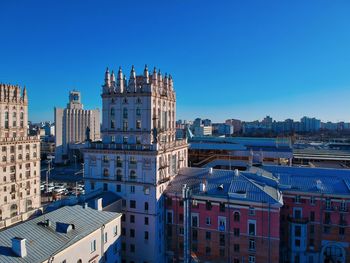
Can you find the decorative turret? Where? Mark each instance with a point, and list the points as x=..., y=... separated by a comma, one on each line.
x=171, y=83
x=145, y=75
x=107, y=78
x=112, y=78
x=120, y=81
x=132, y=80
x=24, y=95
x=154, y=77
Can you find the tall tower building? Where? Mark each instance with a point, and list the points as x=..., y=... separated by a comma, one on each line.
x=71, y=125
x=138, y=156
x=19, y=158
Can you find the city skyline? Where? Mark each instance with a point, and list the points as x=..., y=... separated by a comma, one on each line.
x=278, y=59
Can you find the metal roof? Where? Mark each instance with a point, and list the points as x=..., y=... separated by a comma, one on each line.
x=44, y=242
x=233, y=185
x=312, y=180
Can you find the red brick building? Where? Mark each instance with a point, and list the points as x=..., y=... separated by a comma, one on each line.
x=233, y=218
x=267, y=214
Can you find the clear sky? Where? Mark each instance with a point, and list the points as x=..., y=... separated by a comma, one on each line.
x=229, y=59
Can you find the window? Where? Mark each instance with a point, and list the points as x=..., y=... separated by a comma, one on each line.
x=169, y=217
x=312, y=216
x=132, y=204
x=132, y=189
x=343, y=205
x=194, y=235
x=112, y=112
x=236, y=247
x=119, y=175
x=251, y=227
x=93, y=246
x=105, y=187
x=125, y=113
x=312, y=200
x=312, y=229
x=222, y=239
x=297, y=199
x=123, y=231
x=132, y=232
x=138, y=124
x=138, y=112
x=326, y=229
x=132, y=248
x=132, y=219
x=297, y=213
x=328, y=203
x=146, y=206
x=252, y=244
x=236, y=216
x=208, y=205
x=146, y=235
x=311, y=242
x=297, y=242
x=115, y=230
x=297, y=231
x=341, y=231
x=194, y=221
x=106, y=237
x=105, y=172
x=208, y=221
x=251, y=259
x=146, y=220
x=222, y=207
x=125, y=127
x=119, y=188
x=132, y=175
x=222, y=223
x=236, y=232
x=207, y=251
x=207, y=235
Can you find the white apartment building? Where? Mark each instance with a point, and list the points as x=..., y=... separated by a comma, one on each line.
x=74, y=125
x=19, y=158
x=138, y=156
x=71, y=234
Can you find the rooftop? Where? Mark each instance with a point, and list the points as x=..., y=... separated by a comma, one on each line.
x=312, y=180
x=42, y=242
x=225, y=184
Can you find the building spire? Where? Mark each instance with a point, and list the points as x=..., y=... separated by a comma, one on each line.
x=120, y=81
x=107, y=78
x=146, y=75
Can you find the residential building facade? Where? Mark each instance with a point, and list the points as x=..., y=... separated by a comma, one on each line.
x=68, y=234
x=19, y=158
x=138, y=156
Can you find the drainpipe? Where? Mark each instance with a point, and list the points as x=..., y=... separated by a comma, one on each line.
x=102, y=241
x=186, y=201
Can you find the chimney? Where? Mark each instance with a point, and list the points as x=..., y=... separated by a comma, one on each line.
x=203, y=186
x=98, y=204
x=19, y=246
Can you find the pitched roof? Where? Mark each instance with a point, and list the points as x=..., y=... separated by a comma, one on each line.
x=44, y=242
x=224, y=184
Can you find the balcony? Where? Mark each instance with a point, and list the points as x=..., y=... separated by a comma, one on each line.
x=295, y=220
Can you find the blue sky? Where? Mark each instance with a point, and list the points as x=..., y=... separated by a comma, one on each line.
x=229, y=59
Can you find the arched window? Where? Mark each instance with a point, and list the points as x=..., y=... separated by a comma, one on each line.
x=105, y=172
x=146, y=206
x=236, y=216
x=79, y=261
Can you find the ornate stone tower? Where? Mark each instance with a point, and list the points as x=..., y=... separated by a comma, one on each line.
x=19, y=158
x=138, y=156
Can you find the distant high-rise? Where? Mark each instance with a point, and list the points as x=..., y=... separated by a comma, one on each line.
x=19, y=157
x=138, y=157
x=73, y=125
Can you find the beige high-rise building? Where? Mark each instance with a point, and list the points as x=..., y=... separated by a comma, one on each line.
x=19, y=158
x=74, y=125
